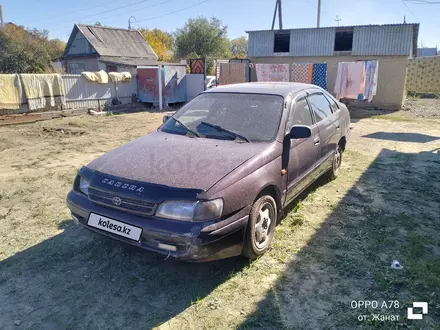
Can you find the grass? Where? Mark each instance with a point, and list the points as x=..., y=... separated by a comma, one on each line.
x=393, y=117
x=334, y=245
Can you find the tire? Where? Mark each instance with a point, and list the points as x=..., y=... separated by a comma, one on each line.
x=336, y=163
x=261, y=227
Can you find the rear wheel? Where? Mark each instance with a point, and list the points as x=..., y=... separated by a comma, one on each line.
x=261, y=227
x=336, y=164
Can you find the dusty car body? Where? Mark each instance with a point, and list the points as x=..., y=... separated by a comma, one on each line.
x=212, y=181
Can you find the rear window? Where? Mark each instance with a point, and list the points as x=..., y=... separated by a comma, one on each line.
x=254, y=116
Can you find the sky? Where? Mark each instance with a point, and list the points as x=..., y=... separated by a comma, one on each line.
x=239, y=15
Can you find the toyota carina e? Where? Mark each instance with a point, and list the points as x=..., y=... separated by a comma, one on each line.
x=211, y=182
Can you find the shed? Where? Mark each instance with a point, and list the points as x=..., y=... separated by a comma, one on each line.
x=390, y=44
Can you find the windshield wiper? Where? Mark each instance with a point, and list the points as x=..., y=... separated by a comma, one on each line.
x=221, y=129
x=186, y=127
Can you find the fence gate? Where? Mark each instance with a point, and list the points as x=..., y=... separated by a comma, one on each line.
x=148, y=84
x=232, y=71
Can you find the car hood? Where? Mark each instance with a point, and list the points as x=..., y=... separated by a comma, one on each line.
x=176, y=160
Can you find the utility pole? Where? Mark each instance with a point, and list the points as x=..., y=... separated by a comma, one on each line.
x=337, y=19
x=318, y=19
x=280, y=15
x=2, y=19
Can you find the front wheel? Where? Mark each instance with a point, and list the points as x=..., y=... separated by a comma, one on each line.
x=336, y=163
x=261, y=227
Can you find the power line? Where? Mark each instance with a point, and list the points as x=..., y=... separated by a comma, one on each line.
x=107, y=11
x=110, y=10
x=311, y=4
x=68, y=23
x=141, y=8
x=422, y=2
x=172, y=12
x=77, y=11
x=409, y=10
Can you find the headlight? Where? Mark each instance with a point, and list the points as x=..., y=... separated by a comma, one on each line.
x=83, y=186
x=191, y=211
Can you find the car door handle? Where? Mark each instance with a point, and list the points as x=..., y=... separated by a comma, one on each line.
x=316, y=141
x=338, y=127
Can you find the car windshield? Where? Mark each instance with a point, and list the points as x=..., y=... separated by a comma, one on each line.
x=248, y=117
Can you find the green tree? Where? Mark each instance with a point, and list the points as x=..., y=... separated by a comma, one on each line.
x=239, y=47
x=27, y=51
x=162, y=43
x=202, y=37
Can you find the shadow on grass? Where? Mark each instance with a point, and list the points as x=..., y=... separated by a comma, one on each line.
x=391, y=212
x=402, y=137
x=361, y=112
x=80, y=280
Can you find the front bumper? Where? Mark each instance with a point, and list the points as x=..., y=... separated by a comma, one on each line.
x=193, y=241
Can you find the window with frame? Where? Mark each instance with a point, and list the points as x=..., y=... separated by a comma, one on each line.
x=320, y=106
x=281, y=42
x=76, y=68
x=300, y=114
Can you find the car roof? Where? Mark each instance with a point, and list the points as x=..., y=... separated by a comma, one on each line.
x=274, y=88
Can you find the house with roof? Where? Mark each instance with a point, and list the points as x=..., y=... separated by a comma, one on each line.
x=94, y=48
x=391, y=45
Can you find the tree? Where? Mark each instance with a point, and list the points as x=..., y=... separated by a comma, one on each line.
x=161, y=42
x=202, y=37
x=239, y=47
x=56, y=48
x=27, y=51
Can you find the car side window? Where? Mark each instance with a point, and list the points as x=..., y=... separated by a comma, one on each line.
x=333, y=104
x=320, y=106
x=301, y=113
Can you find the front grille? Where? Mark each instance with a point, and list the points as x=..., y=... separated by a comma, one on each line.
x=128, y=204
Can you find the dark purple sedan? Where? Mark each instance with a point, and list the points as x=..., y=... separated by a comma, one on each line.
x=212, y=181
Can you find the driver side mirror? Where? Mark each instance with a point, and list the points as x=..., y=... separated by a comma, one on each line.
x=165, y=118
x=299, y=132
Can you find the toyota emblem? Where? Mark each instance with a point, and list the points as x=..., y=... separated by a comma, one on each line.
x=117, y=201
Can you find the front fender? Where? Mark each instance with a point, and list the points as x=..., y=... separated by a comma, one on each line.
x=239, y=190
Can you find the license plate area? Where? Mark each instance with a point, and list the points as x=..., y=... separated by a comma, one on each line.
x=114, y=226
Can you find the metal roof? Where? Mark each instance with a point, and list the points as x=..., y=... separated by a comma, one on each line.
x=274, y=88
x=129, y=61
x=332, y=27
x=109, y=41
x=386, y=39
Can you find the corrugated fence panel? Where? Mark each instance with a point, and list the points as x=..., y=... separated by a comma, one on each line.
x=312, y=42
x=81, y=93
x=125, y=90
x=260, y=43
x=382, y=40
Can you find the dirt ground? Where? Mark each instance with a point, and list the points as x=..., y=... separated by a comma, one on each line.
x=334, y=246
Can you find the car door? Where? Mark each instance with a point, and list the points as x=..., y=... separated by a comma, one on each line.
x=328, y=124
x=303, y=154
